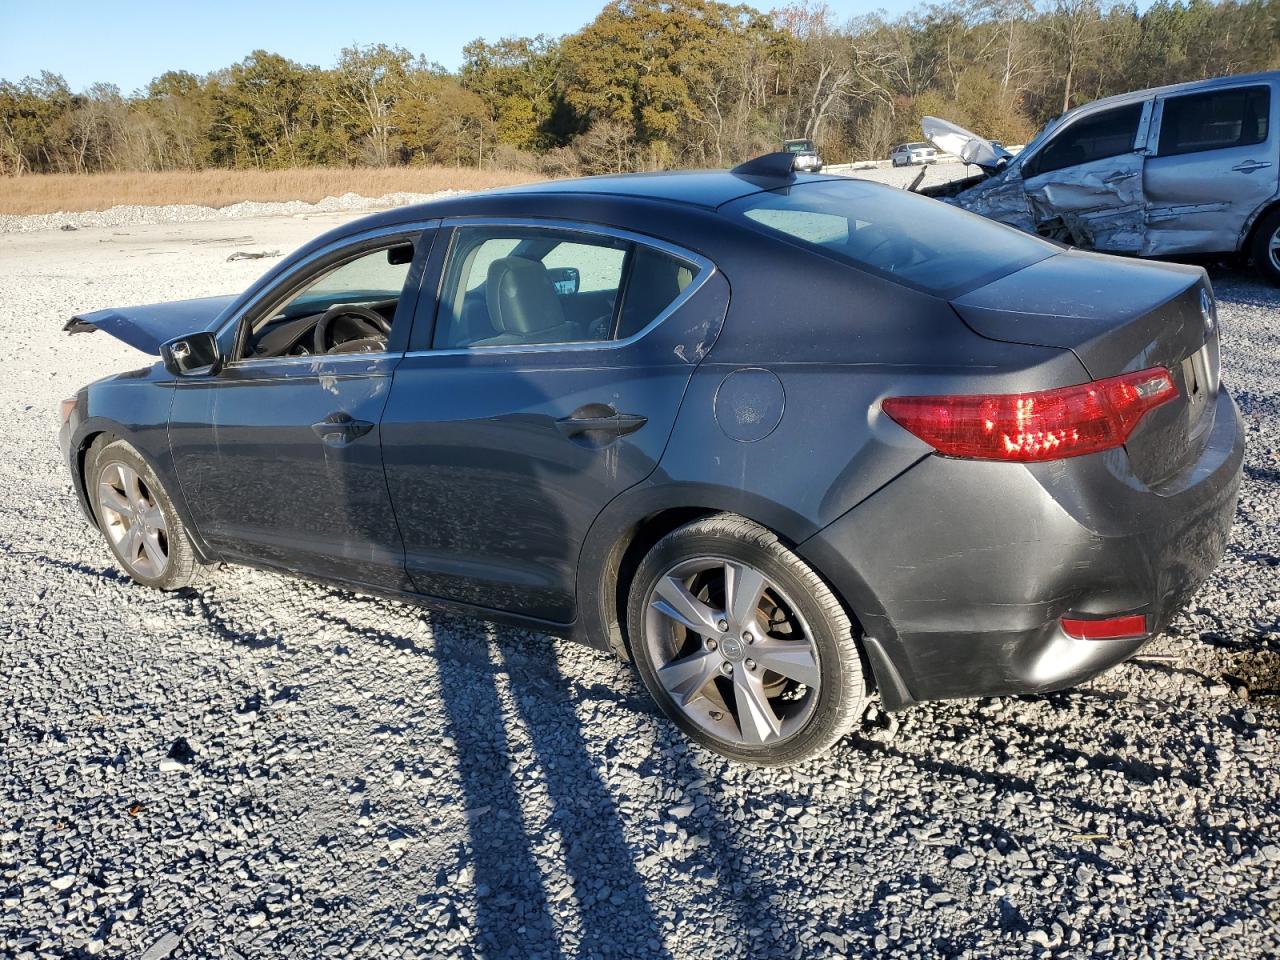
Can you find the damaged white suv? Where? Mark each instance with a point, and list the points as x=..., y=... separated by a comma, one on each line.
x=1180, y=170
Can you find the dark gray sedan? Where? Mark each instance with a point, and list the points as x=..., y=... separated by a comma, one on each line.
x=787, y=441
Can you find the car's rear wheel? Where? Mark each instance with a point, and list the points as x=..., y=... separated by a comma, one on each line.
x=137, y=517
x=1266, y=247
x=743, y=645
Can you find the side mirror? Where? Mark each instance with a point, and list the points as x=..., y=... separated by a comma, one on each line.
x=565, y=280
x=194, y=355
x=399, y=255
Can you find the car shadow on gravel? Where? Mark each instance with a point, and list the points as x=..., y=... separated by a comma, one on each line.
x=71, y=566
x=519, y=911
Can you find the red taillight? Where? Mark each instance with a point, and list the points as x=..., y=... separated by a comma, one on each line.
x=1129, y=626
x=1045, y=425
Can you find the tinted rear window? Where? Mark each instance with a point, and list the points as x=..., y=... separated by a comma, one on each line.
x=924, y=243
x=1214, y=121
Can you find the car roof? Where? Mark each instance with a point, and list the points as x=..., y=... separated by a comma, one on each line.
x=1193, y=86
x=706, y=189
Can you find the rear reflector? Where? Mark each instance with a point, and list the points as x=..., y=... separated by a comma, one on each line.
x=1045, y=425
x=1113, y=628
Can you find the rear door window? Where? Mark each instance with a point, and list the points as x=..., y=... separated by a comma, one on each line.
x=1215, y=120
x=1109, y=133
x=510, y=286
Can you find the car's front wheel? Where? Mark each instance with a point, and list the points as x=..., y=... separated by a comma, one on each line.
x=743, y=644
x=137, y=516
x=1266, y=247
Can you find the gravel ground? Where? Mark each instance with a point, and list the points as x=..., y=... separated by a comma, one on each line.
x=268, y=768
x=133, y=215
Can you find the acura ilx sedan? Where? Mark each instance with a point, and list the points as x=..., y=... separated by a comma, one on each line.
x=786, y=441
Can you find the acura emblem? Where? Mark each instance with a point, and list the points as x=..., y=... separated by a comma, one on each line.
x=1207, y=311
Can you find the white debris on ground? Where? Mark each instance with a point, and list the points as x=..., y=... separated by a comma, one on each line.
x=126, y=215
x=263, y=767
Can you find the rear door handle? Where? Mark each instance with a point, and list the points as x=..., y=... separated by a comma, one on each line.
x=1251, y=165
x=339, y=429
x=1120, y=175
x=614, y=424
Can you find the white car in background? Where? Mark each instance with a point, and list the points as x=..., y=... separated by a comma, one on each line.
x=805, y=153
x=908, y=154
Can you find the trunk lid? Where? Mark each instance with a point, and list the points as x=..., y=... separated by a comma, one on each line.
x=1118, y=316
x=146, y=327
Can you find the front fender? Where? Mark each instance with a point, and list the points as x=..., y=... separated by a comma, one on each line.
x=133, y=408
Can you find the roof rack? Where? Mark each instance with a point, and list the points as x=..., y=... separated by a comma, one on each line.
x=774, y=165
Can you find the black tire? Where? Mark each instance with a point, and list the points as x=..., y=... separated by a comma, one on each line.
x=842, y=694
x=1266, y=258
x=181, y=566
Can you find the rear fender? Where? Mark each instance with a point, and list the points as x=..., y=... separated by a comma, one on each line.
x=599, y=622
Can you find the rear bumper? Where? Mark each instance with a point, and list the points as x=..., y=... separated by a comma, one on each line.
x=960, y=570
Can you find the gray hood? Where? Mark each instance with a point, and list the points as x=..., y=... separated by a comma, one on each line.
x=148, y=326
x=968, y=146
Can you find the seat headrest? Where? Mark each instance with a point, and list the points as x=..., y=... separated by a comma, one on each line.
x=521, y=297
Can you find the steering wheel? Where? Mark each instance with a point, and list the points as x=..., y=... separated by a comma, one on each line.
x=369, y=321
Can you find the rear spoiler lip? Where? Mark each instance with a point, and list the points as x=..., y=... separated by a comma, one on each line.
x=146, y=327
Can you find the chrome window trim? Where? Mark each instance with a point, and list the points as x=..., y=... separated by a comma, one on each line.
x=256, y=362
x=413, y=226
x=706, y=269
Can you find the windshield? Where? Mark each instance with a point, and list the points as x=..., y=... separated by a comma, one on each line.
x=798, y=146
x=921, y=242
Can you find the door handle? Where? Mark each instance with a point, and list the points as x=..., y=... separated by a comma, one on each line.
x=1251, y=165
x=613, y=423
x=1120, y=175
x=339, y=429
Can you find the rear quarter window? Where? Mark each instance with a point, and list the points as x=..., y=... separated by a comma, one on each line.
x=920, y=242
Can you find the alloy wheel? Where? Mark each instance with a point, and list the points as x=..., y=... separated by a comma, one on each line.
x=133, y=520
x=732, y=651
x=1273, y=250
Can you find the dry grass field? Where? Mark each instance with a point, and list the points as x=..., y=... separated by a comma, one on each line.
x=53, y=193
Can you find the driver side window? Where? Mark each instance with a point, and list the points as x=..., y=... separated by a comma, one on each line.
x=347, y=308
x=1109, y=133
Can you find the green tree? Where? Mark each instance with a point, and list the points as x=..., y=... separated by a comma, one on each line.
x=642, y=63
x=261, y=112
x=520, y=80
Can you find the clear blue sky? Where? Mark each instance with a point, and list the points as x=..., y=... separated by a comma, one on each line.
x=128, y=43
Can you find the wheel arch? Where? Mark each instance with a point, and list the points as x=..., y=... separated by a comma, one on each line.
x=636, y=520
x=96, y=427
x=1259, y=217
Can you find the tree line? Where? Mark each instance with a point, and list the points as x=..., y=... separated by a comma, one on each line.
x=648, y=84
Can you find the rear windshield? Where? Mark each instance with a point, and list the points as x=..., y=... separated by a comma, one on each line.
x=921, y=242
